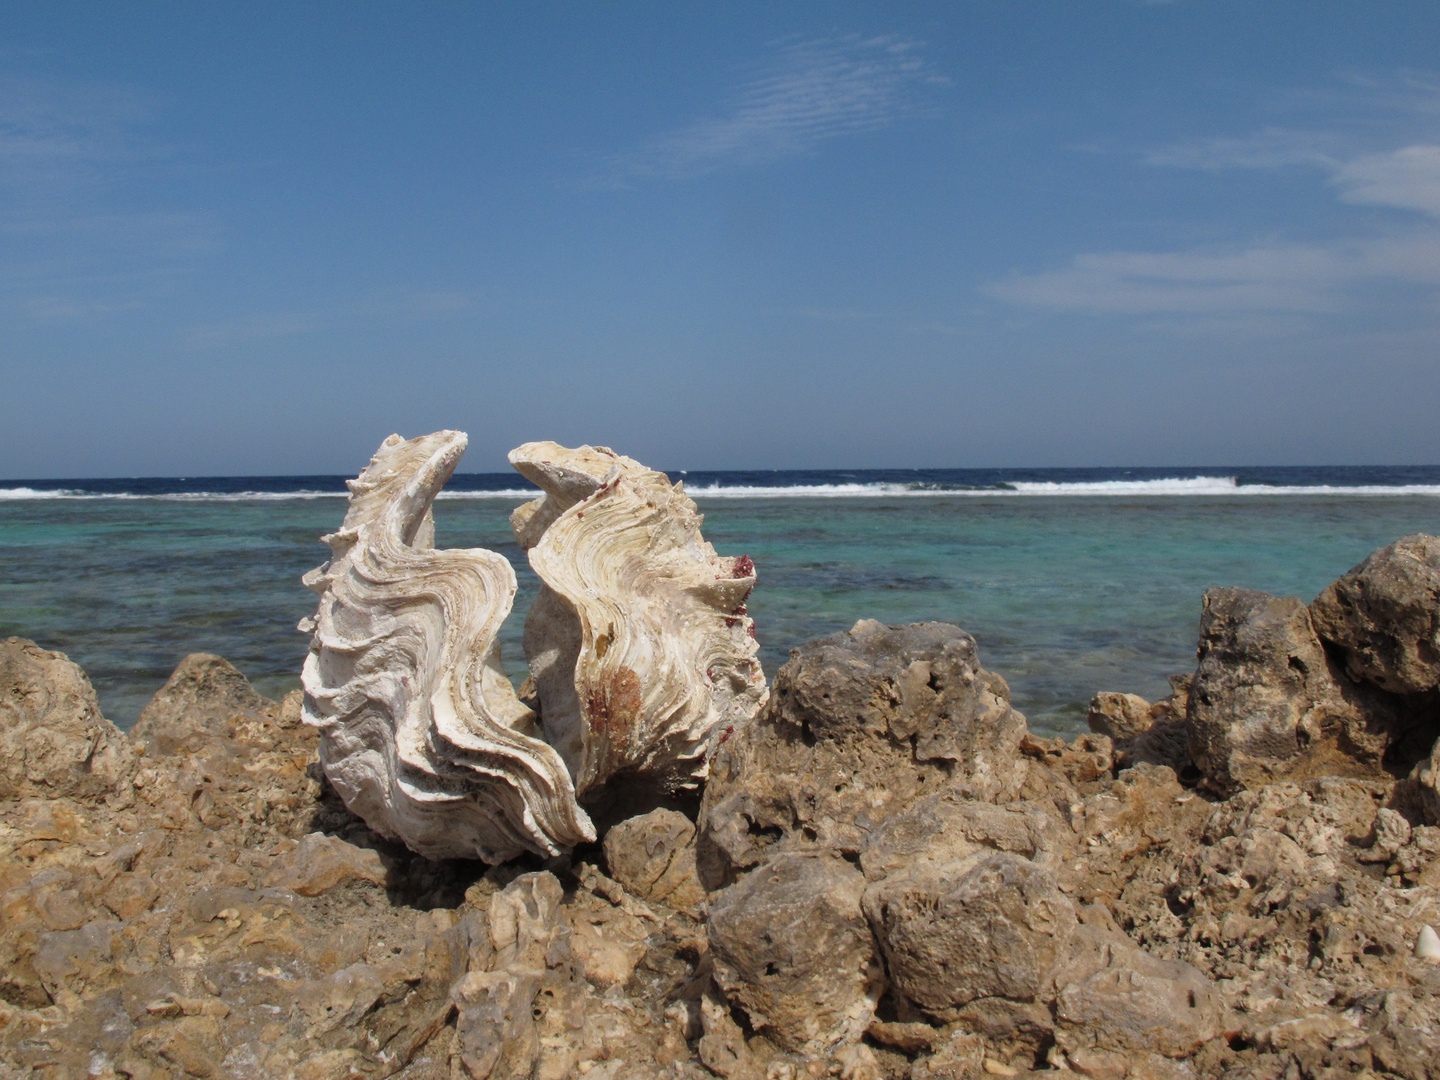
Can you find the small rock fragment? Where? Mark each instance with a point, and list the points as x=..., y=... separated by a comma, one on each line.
x=1390, y=833
x=495, y=1028
x=961, y=1057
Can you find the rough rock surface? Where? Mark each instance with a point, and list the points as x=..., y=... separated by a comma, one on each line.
x=793, y=948
x=993, y=925
x=858, y=727
x=1384, y=616
x=653, y=856
x=217, y=912
x=1121, y=716
x=1267, y=703
x=204, y=692
x=53, y=740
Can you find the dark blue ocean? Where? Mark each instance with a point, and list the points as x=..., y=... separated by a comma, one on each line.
x=1072, y=580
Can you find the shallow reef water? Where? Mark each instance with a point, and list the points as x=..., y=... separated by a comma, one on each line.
x=1066, y=594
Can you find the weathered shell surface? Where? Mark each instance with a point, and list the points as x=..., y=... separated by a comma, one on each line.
x=421, y=732
x=639, y=642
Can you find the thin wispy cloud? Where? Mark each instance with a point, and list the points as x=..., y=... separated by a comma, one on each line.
x=1274, y=278
x=1278, y=277
x=1271, y=148
x=389, y=308
x=811, y=92
x=80, y=233
x=1407, y=179
x=67, y=135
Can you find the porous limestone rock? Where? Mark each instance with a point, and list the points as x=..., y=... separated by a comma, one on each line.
x=859, y=726
x=1121, y=716
x=653, y=856
x=1113, y=995
x=422, y=734
x=319, y=863
x=53, y=740
x=639, y=642
x=1384, y=616
x=792, y=947
x=990, y=925
x=948, y=827
x=1266, y=702
x=204, y=691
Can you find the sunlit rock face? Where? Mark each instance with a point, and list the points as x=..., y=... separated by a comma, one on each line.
x=639, y=643
x=422, y=734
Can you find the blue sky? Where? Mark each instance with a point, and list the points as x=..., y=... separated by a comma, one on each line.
x=257, y=238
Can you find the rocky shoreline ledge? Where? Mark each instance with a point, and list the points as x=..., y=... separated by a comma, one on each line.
x=887, y=876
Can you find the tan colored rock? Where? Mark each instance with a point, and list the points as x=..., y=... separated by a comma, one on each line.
x=792, y=948
x=944, y=828
x=524, y=921
x=960, y=1057
x=989, y=925
x=859, y=727
x=1120, y=716
x=1133, y=1001
x=608, y=941
x=341, y=999
x=1265, y=703
x=495, y=1029
x=1384, y=616
x=320, y=863
x=53, y=740
x=653, y=856
x=204, y=693
x=722, y=1047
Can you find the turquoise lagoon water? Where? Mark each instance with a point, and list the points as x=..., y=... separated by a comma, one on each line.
x=1068, y=591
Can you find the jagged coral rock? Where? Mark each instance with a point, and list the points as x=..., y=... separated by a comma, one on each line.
x=860, y=725
x=639, y=643
x=421, y=733
x=1384, y=616
x=203, y=688
x=53, y=740
x=1267, y=702
x=791, y=945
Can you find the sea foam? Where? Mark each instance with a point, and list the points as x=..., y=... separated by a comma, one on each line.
x=1167, y=487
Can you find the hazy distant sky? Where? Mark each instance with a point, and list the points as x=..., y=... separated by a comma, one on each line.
x=259, y=237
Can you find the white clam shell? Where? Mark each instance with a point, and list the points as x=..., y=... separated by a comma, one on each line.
x=421, y=732
x=1427, y=947
x=639, y=642
x=639, y=645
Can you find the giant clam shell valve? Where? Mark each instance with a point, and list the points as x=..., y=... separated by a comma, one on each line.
x=639, y=644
